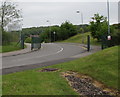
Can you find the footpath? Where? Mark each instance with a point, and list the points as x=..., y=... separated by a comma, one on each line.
x=18, y=52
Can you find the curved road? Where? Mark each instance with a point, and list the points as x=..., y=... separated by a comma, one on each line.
x=50, y=53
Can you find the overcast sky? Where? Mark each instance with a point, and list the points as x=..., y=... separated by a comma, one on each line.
x=36, y=12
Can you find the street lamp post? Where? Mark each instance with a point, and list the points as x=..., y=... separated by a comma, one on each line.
x=49, y=30
x=82, y=23
x=108, y=37
x=81, y=16
x=108, y=17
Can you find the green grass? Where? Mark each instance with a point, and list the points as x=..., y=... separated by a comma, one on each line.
x=79, y=37
x=102, y=66
x=11, y=47
x=36, y=83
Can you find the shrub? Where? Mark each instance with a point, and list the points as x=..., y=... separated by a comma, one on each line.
x=6, y=38
x=116, y=37
x=28, y=40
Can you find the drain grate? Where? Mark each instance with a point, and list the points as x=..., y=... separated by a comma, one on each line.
x=49, y=69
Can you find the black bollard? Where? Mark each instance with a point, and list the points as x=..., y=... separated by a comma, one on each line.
x=88, y=43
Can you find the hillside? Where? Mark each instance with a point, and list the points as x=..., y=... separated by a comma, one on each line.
x=79, y=37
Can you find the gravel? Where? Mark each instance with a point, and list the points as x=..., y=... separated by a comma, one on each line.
x=85, y=87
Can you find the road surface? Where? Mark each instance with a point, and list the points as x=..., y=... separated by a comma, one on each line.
x=50, y=53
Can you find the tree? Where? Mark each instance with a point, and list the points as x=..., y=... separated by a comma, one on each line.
x=98, y=26
x=9, y=14
x=67, y=30
x=81, y=30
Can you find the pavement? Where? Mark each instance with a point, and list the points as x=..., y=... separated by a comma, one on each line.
x=49, y=54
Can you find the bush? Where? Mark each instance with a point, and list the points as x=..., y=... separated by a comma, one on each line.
x=6, y=38
x=28, y=40
x=67, y=30
x=116, y=37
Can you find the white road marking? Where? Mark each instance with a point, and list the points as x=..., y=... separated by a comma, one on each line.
x=61, y=49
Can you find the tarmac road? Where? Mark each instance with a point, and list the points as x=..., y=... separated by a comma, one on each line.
x=50, y=53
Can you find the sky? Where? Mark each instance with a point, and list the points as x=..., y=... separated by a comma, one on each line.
x=36, y=13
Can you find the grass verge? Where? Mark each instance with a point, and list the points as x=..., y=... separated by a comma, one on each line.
x=102, y=66
x=11, y=47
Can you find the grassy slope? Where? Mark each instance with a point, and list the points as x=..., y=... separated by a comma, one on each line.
x=79, y=37
x=102, y=66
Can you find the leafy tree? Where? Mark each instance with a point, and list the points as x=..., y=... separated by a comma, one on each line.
x=44, y=36
x=55, y=29
x=98, y=26
x=81, y=30
x=9, y=14
x=67, y=30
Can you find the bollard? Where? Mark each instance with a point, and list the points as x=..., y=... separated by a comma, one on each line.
x=88, y=43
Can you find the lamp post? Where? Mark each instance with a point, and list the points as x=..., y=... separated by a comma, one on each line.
x=49, y=30
x=81, y=15
x=108, y=37
x=82, y=23
x=54, y=35
x=108, y=17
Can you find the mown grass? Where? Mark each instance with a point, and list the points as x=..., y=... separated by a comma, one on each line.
x=36, y=83
x=82, y=38
x=102, y=66
x=11, y=47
